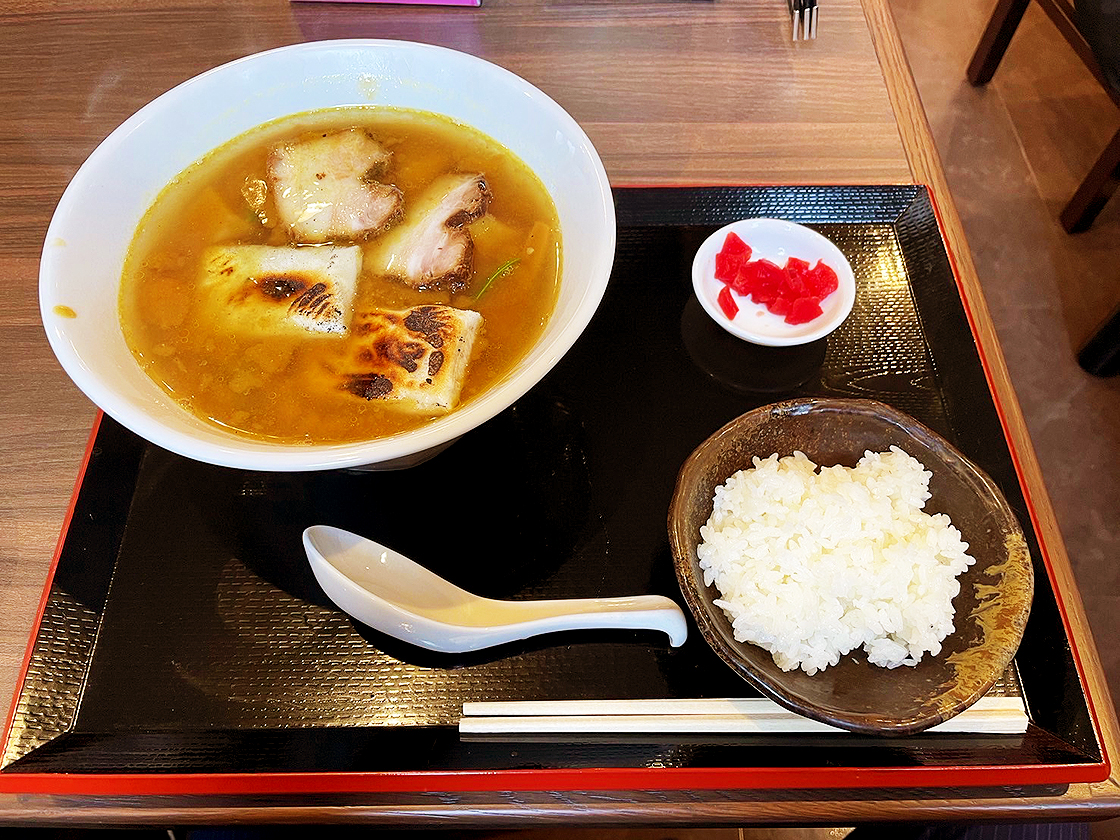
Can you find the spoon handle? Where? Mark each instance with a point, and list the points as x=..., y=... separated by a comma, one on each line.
x=640, y=612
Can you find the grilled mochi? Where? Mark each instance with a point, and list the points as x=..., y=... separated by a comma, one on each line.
x=413, y=358
x=432, y=247
x=266, y=290
x=325, y=188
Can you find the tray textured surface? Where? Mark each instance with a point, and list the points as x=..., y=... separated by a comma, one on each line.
x=185, y=631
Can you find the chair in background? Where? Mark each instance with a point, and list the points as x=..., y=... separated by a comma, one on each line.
x=1092, y=28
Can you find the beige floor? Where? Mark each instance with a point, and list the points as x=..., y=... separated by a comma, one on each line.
x=1014, y=152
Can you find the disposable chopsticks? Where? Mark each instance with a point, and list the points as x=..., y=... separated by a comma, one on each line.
x=989, y=715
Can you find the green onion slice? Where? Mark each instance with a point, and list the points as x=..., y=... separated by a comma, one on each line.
x=501, y=271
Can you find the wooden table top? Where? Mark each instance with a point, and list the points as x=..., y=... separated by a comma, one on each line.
x=684, y=92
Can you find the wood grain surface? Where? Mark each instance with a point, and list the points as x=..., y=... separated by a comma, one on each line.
x=670, y=92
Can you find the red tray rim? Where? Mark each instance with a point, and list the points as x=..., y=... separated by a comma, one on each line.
x=584, y=779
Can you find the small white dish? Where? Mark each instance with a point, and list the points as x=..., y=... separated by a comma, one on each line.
x=389, y=592
x=775, y=240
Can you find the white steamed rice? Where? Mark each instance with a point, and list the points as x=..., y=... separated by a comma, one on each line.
x=811, y=565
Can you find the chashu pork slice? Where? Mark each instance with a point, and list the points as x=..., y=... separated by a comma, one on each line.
x=266, y=289
x=414, y=358
x=432, y=248
x=325, y=188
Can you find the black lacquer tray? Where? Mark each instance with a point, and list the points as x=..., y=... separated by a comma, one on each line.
x=184, y=635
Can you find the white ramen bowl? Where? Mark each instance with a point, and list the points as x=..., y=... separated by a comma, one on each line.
x=97, y=216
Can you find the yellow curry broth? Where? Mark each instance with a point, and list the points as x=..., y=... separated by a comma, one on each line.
x=285, y=387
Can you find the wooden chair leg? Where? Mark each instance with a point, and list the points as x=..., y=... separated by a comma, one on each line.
x=993, y=43
x=1095, y=191
x=1101, y=354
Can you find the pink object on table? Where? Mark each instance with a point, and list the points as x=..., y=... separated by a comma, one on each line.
x=402, y=2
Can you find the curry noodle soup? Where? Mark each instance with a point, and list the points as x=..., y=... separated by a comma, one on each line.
x=253, y=315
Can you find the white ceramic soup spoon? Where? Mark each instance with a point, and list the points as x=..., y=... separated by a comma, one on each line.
x=399, y=597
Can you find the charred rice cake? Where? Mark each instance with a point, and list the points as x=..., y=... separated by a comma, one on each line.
x=415, y=358
x=268, y=290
